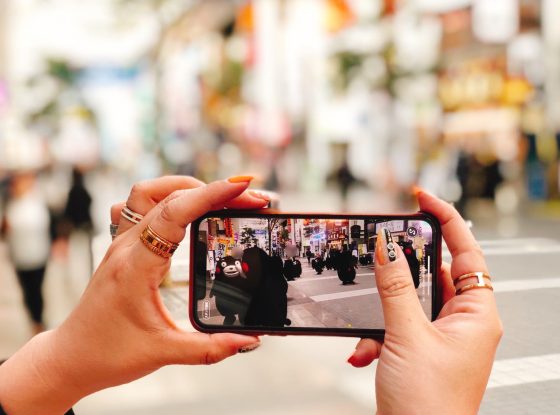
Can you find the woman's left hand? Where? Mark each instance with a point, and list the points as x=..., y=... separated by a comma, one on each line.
x=120, y=330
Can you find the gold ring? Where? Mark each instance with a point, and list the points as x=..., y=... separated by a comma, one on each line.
x=130, y=215
x=157, y=243
x=479, y=275
x=473, y=286
x=480, y=283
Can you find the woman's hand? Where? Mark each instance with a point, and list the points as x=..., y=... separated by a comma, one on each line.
x=439, y=367
x=120, y=330
x=146, y=195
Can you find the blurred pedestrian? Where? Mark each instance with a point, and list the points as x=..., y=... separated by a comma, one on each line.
x=345, y=180
x=77, y=210
x=309, y=255
x=77, y=224
x=26, y=225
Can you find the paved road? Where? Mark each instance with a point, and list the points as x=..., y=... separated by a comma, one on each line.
x=323, y=301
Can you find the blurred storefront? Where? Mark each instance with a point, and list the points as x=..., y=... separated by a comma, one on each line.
x=460, y=96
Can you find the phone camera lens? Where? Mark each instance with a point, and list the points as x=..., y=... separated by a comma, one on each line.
x=390, y=245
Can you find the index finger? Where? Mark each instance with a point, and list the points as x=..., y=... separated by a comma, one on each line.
x=467, y=256
x=146, y=194
x=172, y=216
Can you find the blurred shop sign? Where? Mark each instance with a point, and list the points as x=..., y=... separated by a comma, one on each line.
x=494, y=129
x=107, y=74
x=495, y=21
x=550, y=25
x=469, y=122
x=441, y=6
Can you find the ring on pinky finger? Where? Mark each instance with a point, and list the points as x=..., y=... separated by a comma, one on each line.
x=113, y=229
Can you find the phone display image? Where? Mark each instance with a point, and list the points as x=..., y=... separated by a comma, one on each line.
x=301, y=272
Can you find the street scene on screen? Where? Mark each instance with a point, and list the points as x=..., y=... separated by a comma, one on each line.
x=284, y=272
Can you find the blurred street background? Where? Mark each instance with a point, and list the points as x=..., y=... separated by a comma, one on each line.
x=336, y=105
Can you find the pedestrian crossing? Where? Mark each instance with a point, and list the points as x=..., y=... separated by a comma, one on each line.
x=516, y=246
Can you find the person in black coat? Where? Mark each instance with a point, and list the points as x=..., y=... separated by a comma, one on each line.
x=309, y=255
x=269, y=306
x=292, y=268
x=200, y=270
x=413, y=263
x=318, y=264
x=77, y=210
x=346, y=266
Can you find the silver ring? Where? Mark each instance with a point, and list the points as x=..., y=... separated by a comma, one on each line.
x=113, y=229
x=130, y=215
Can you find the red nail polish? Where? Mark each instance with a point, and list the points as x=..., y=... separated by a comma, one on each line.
x=352, y=360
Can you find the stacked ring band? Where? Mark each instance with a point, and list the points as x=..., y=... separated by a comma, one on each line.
x=157, y=243
x=480, y=283
x=130, y=215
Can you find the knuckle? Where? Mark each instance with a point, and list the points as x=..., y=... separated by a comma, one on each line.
x=113, y=249
x=211, y=357
x=499, y=330
x=174, y=195
x=166, y=213
x=477, y=250
x=114, y=264
x=137, y=190
x=396, y=284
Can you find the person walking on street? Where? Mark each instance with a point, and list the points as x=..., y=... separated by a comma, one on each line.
x=26, y=226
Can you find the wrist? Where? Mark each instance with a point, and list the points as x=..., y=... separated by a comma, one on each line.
x=35, y=377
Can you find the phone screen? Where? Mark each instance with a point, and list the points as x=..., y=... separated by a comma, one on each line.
x=301, y=272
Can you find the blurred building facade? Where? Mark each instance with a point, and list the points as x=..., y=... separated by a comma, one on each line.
x=459, y=96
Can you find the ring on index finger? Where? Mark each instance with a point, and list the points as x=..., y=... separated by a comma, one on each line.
x=157, y=243
x=480, y=282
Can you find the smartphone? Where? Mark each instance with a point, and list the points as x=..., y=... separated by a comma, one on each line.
x=270, y=272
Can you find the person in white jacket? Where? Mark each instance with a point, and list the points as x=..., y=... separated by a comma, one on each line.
x=27, y=235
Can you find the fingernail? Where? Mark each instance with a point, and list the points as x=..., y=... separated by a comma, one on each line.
x=259, y=195
x=352, y=360
x=240, y=179
x=415, y=190
x=248, y=348
x=385, y=248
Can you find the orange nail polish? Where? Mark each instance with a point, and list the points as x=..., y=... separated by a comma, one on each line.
x=240, y=179
x=385, y=251
x=415, y=190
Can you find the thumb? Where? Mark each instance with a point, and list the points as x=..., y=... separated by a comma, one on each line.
x=207, y=349
x=401, y=307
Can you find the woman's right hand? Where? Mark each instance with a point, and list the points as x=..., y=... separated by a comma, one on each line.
x=120, y=330
x=439, y=367
x=146, y=195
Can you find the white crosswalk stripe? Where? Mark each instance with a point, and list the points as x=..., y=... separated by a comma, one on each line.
x=521, y=370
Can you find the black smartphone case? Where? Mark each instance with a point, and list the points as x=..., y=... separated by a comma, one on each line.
x=437, y=301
